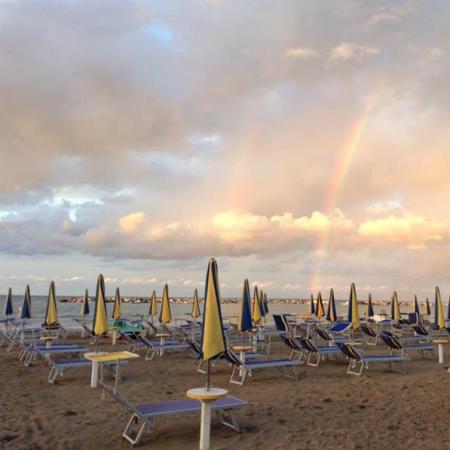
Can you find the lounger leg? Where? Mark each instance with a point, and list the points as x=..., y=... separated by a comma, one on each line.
x=316, y=362
x=240, y=379
x=353, y=367
x=135, y=419
x=200, y=369
x=227, y=418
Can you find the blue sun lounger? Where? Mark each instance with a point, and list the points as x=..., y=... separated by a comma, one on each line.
x=394, y=344
x=45, y=353
x=57, y=367
x=242, y=369
x=143, y=415
x=316, y=351
x=155, y=347
x=358, y=361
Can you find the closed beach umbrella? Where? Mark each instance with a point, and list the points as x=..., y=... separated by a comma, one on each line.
x=395, y=307
x=320, y=310
x=448, y=309
x=8, y=303
x=245, y=315
x=312, y=308
x=153, y=305
x=51, y=314
x=195, y=306
x=85, y=304
x=439, y=318
x=256, y=311
x=100, y=322
x=165, y=315
x=117, y=305
x=25, y=313
x=213, y=339
x=266, y=303
x=416, y=306
x=261, y=303
x=331, y=310
x=353, y=313
x=428, y=307
x=370, y=311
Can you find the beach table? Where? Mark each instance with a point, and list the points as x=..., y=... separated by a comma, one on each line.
x=440, y=343
x=98, y=359
x=48, y=340
x=206, y=396
x=162, y=340
x=242, y=349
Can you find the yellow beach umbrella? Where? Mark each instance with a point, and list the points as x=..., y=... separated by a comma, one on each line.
x=439, y=318
x=395, y=307
x=51, y=314
x=256, y=311
x=320, y=311
x=195, y=306
x=117, y=305
x=100, y=322
x=153, y=305
x=213, y=339
x=353, y=313
x=165, y=315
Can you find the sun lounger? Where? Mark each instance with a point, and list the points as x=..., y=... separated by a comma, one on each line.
x=156, y=347
x=394, y=344
x=242, y=369
x=370, y=333
x=316, y=353
x=143, y=415
x=47, y=352
x=329, y=337
x=358, y=361
x=57, y=367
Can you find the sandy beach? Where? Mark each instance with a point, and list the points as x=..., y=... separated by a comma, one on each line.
x=324, y=409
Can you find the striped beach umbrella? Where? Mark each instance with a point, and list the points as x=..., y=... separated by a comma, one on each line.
x=256, y=309
x=8, y=304
x=331, y=310
x=51, y=314
x=370, y=311
x=312, y=308
x=165, y=315
x=195, y=306
x=320, y=310
x=117, y=305
x=153, y=305
x=25, y=313
x=213, y=338
x=100, y=321
x=428, y=307
x=245, y=315
x=353, y=313
x=416, y=306
x=85, y=304
x=439, y=318
x=395, y=307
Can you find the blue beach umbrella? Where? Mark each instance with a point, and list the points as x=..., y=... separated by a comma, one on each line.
x=428, y=307
x=261, y=304
x=8, y=304
x=331, y=310
x=85, y=304
x=416, y=306
x=25, y=313
x=245, y=314
x=312, y=308
x=266, y=303
x=448, y=309
x=370, y=311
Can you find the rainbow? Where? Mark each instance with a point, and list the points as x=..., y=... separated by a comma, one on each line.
x=340, y=173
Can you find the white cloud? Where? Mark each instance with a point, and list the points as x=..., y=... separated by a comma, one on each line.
x=301, y=53
x=349, y=51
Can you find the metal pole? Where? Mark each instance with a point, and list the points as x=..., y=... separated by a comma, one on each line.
x=207, y=376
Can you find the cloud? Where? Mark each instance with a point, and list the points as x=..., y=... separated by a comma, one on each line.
x=301, y=53
x=131, y=222
x=416, y=232
x=349, y=51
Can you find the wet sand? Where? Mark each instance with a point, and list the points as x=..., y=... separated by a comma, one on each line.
x=324, y=409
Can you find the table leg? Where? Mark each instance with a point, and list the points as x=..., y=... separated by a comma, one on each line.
x=441, y=353
x=241, y=368
x=205, y=426
x=114, y=337
x=161, y=351
x=94, y=374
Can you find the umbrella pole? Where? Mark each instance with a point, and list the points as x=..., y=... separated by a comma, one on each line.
x=207, y=376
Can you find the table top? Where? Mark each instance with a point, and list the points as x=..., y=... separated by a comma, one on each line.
x=162, y=334
x=440, y=341
x=206, y=395
x=242, y=348
x=105, y=357
x=48, y=338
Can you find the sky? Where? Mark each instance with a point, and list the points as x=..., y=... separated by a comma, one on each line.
x=304, y=145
